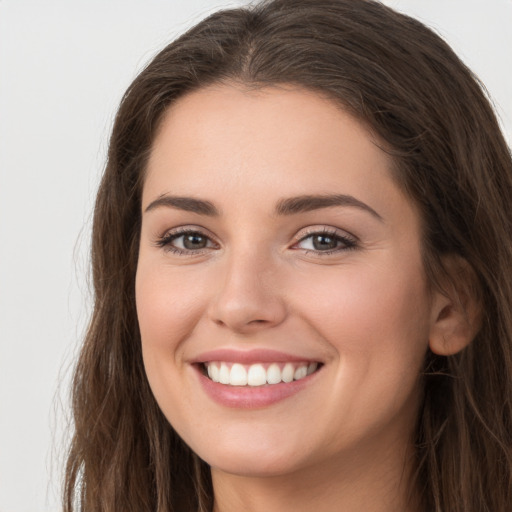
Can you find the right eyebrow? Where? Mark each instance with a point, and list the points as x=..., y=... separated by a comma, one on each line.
x=307, y=203
x=188, y=204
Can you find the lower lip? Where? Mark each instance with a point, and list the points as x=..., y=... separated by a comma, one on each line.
x=248, y=397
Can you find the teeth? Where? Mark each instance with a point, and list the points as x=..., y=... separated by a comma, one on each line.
x=256, y=374
x=238, y=375
x=224, y=374
x=288, y=371
x=213, y=372
x=300, y=372
x=273, y=374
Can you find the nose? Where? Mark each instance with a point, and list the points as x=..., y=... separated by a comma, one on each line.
x=248, y=296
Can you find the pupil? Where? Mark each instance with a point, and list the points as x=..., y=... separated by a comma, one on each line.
x=323, y=242
x=194, y=241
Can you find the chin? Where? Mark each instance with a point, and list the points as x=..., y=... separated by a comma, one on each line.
x=254, y=458
x=255, y=466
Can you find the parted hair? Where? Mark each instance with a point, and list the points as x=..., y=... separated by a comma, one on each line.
x=433, y=116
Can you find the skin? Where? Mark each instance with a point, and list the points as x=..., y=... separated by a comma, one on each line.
x=365, y=312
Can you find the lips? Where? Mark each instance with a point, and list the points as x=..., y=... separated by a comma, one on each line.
x=255, y=378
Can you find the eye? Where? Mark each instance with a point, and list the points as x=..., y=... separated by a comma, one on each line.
x=186, y=242
x=326, y=242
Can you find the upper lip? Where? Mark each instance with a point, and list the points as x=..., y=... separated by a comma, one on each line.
x=250, y=356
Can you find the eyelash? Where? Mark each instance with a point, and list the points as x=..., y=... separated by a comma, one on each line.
x=348, y=242
x=165, y=242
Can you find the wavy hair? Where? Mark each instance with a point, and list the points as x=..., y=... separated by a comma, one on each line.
x=432, y=115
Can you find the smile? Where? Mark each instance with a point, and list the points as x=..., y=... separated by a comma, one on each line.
x=259, y=374
x=254, y=379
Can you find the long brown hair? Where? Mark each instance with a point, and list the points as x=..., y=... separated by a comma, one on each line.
x=432, y=115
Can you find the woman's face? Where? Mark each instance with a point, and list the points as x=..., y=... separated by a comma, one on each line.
x=276, y=246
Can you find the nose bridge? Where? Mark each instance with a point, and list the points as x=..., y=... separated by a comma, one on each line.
x=248, y=295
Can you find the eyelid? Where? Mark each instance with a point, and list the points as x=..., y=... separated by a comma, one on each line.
x=187, y=228
x=324, y=229
x=350, y=240
x=165, y=240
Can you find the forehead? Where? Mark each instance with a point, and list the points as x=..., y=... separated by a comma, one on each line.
x=270, y=142
x=230, y=113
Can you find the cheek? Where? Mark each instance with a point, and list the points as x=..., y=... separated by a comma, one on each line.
x=387, y=299
x=167, y=305
x=375, y=317
x=376, y=322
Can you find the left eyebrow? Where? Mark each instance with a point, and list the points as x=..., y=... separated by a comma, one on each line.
x=307, y=203
x=188, y=204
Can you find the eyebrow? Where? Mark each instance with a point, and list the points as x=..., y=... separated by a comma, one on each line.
x=188, y=204
x=288, y=206
x=309, y=203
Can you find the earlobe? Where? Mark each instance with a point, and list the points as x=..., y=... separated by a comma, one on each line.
x=456, y=310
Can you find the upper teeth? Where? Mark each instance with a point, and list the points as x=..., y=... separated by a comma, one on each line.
x=258, y=374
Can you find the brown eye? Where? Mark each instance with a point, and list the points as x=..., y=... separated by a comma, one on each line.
x=186, y=242
x=193, y=241
x=324, y=242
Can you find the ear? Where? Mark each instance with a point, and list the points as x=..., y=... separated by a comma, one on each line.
x=456, y=308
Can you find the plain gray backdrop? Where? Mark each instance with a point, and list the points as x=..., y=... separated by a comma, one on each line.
x=63, y=68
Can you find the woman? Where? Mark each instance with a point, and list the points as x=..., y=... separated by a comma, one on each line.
x=301, y=258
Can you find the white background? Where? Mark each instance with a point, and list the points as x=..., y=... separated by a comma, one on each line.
x=63, y=68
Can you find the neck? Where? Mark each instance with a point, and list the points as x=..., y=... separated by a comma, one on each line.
x=370, y=482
